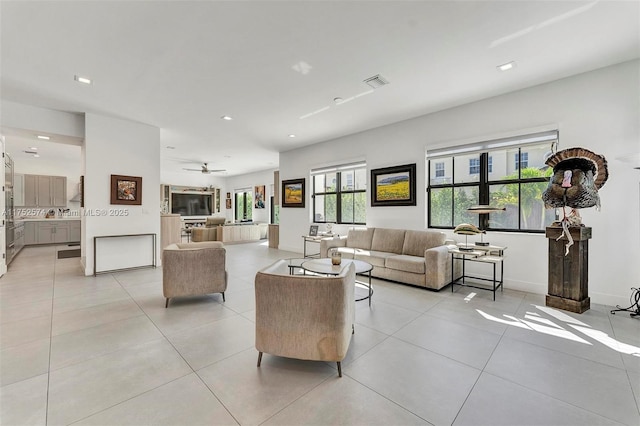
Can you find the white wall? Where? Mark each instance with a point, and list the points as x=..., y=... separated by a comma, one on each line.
x=120, y=147
x=251, y=180
x=29, y=117
x=598, y=110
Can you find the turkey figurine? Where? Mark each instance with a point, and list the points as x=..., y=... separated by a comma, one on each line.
x=578, y=174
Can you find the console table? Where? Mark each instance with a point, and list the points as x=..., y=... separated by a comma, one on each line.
x=492, y=255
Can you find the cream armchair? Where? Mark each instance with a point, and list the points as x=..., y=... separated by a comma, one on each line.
x=209, y=232
x=303, y=316
x=193, y=269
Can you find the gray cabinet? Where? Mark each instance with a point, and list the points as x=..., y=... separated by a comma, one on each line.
x=51, y=232
x=30, y=233
x=45, y=191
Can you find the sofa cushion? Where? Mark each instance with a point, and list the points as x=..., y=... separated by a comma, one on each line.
x=360, y=238
x=416, y=242
x=376, y=258
x=388, y=240
x=403, y=262
x=346, y=252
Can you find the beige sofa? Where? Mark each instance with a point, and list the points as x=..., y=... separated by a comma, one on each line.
x=413, y=257
x=193, y=269
x=304, y=316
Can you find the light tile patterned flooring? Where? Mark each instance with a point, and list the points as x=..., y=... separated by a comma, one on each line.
x=105, y=351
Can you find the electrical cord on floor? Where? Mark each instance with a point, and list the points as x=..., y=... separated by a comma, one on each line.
x=635, y=304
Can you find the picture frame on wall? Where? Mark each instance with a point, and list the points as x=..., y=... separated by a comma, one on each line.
x=228, y=195
x=394, y=186
x=126, y=190
x=293, y=194
x=258, y=197
x=228, y=203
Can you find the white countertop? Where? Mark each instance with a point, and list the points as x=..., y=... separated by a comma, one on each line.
x=42, y=219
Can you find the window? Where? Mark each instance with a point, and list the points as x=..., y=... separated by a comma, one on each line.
x=440, y=170
x=485, y=174
x=522, y=160
x=340, y=194
x=474, y=166
x=244, y=205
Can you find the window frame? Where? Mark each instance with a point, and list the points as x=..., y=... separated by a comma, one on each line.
x=484, y=184
x=338, y=192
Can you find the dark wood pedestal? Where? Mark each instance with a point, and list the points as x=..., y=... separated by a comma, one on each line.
x=569, y=275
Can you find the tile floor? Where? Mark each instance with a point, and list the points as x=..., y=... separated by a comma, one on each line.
x=105, y=351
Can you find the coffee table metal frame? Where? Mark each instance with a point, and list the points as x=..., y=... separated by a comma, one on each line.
x=324, y=266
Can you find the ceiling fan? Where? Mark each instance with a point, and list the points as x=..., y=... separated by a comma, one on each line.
x=204, y=169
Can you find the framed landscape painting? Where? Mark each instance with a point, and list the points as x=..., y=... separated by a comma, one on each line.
x=126, y=190
x=394, y=186
x=293, y=193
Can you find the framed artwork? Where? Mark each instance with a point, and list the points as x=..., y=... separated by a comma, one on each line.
x=228, y=195
x=126, y=190
x=228, y=203
x=394, y=186
x=313, y=230
x=259, y=197
x=293, y=193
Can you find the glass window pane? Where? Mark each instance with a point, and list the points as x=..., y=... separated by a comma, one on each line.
x=347, y=180
x=504, y=195
x=248, y=202
x=360, y=207
x=346, y=208
x=330, y=208
x=361, y=179
x=318, y=183
x=463, y=199
x=441, y=171
x=318, y=213
x=440, y=201
x=464, y=168
x=534, y=215
x=330, y=182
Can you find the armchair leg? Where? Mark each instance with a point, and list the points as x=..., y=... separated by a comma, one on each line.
x=166, y=304
x=339, y=369
x=223, y=299
x=259, y=358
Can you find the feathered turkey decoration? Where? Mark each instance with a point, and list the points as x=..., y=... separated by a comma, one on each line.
x=578, y=174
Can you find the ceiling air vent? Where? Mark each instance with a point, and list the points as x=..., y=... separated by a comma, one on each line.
x=376, y=81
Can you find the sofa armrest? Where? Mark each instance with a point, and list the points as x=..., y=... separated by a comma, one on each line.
x=438, y=267
x=328, y=243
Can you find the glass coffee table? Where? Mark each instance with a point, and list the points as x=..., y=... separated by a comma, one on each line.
x=325, y=267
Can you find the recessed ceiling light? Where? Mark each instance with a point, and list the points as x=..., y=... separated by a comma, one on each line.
x=33, y=148
x=507, y=66
x=36, y=155
x=292, y=135
x=226, y=117
x=170, y=147
x=338, y=100
x=83, y=80
x=46, y=138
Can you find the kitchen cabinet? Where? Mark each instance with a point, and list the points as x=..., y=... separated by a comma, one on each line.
x=45, y=191
x=51, y=231
x=30, y=233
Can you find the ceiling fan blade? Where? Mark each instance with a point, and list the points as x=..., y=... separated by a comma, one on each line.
x=192, y=170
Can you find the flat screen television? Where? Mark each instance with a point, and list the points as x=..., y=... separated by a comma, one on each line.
x=189, y=204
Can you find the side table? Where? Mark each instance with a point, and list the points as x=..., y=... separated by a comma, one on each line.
x=492, y=255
